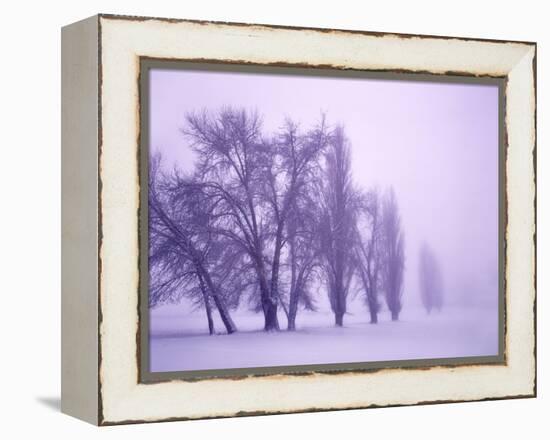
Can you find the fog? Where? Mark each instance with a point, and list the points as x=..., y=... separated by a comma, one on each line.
x=435, y=143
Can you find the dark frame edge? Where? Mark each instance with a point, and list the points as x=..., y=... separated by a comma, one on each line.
x=100, y=414
x=534, y=154
x=128, y=17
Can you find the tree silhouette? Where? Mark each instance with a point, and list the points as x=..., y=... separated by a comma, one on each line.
x=369, y=250
x=394, y=254
x=431, y=281
x=339, y=205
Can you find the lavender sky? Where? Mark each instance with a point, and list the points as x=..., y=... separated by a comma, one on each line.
x=436, y=143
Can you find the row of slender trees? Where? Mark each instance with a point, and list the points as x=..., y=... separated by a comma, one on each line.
x=271, y=220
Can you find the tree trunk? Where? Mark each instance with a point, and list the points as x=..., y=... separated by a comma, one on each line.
x=293, y=297
x=270, y=314
x=292, y=310
x=373, y=315
x=394, y=315
x=371, y=296
x=283, y=306
x=207, y=305
x=269, y=304
x=339, y=297
x=220, y=305
x=224, y=314
x=339, y=319
x=291, y=323
x=209, y=317
x=274, y=288
x=269, y=308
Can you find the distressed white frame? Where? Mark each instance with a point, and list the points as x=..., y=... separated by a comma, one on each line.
x=122, y=41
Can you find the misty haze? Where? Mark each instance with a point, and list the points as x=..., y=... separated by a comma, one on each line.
x=298, y=220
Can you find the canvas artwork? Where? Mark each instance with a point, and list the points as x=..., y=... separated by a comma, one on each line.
x=302, y=221
x=266, y=219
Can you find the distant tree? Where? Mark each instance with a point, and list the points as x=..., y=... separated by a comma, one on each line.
x=337, y=230
x=393, y=254
x=370, y=251
x=431, y=281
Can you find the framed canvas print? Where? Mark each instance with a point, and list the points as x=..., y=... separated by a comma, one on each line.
x=262, y=219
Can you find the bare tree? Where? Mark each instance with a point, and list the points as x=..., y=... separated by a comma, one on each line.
x=303, y=254
x=431, y=281
x=180, y=246
x=337, y=229
x=291, y=170
x=369, y=251
x=252, y=184
x=267, y=218
x=394, y=254
x=228, y=146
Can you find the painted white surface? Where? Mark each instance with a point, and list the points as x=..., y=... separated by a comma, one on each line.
x=31, y=100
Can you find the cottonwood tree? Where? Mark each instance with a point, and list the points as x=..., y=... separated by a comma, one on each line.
x=337, y=230
x=290, y=167
x=393, y=253
x=369, y=251
x=181, y=247
x=228, y=148
x=303, y=253
x=431, y=281
x=253, y=182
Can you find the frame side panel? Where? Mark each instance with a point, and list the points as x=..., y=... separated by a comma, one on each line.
x=79, y=256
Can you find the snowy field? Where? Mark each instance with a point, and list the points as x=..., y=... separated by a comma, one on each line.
x=179, y=340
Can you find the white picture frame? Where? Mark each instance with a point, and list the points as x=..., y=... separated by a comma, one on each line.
x=101, y=201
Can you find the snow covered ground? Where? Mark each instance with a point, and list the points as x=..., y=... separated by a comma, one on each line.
x=179, y=340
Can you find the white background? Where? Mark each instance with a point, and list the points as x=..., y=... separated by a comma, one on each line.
x=30, y=217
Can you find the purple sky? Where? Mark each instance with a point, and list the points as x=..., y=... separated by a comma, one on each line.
x=437, y=144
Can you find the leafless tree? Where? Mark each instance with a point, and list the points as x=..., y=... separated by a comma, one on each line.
x=337, y=228
x=229, y=148
x=303, y=257
x=431, y=281
x=291, y=171
x=181, y=247
x=369, y=251
x=252, y=183
x=268, y=218
x=393, y=254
